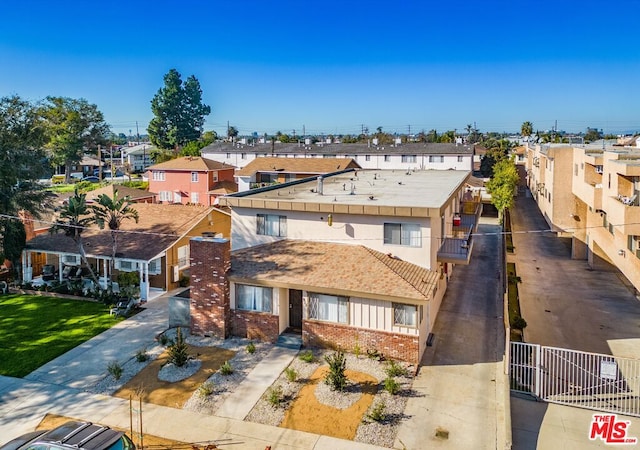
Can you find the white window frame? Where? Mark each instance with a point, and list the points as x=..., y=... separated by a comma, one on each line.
x=328, y=308
x=256, y=298
x=126, y=265
x=405, y=315
x=405, y=234
x=436, y=158
x=387, y=158
x=183, y=256
x=195, y=198
x=71, y=260
x=155, y=266
x=194, y=177
x=460, y=158
x=158, y=175
x=165, y=196
x=367, y=157
x=271, y=225
x=409, y=158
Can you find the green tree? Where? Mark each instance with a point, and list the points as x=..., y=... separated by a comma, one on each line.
x=526, y=129
x=232, y=133
x=447, y=137
x=73, y=126
x=178, y=112
x=74, y=218
x=592, y=134
x=209, y=137
x=503, y=184
x=111, y=212
x=22, y=163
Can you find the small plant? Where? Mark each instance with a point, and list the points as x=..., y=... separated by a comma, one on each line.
x=377, y=412
x=391, y=385
x=291, y=374
x=206, y=389
x=375, y=355
x=356, y=348
x=307, y=356
x=184, y=281
x=275, y=396
x=251, y=348
x=226, y=368
x=394, y=369
x=178, y=351
x=336, y=378
x=142, y=355
x=115, y=369
x=519, y=323
x=164, y=340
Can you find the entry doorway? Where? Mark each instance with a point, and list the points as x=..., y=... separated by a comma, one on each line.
x=295, y=310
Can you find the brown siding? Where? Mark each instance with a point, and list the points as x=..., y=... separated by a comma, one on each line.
x=392, y=345
x=255, y=325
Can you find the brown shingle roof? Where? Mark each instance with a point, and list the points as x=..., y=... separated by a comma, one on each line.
x=191, y=163
x=297, y=165
x=123, y=191
x=333, y=268
x=224, y=188
x=158, y=228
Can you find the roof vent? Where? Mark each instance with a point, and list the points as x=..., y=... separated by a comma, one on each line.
x=320, y=185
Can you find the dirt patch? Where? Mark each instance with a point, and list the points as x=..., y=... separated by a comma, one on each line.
x=308, y=414
x=173, y=394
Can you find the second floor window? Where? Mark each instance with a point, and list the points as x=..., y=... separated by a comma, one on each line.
x=194, y=177
x=272, y=225
x=403, y=234
x=158, y=175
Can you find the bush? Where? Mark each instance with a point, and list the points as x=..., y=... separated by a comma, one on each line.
x=142, y=355
x=291, y=374
x=307, y=356
x=377, y=412
x=115, y=369
x=178, y=351
x=206, y=389
x=251, y=348
x=226, y=368
x=375, y=355
x=336, y=378
x=391, y=385
x=394, y=369
x=519, y=323
x=164, y=340
x=275, y=396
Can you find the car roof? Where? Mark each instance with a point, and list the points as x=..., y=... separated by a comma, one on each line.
x=73, y=434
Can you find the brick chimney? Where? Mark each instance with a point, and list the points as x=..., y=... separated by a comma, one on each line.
x=210, y=305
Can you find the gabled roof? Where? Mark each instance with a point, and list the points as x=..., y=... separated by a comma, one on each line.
x=123, y=191
x=297, y=165
x=191, y=164
x=158, y=228
x=332, y=268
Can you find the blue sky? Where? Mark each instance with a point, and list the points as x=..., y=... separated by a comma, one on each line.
x=333, y=66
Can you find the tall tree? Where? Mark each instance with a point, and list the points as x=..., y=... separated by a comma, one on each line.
x=592, y=134
x=178, y=112
x=111, y=212
x=232, y=133
x=526, y=129
x=503, y=184
x=73, y=126
x=22, y=163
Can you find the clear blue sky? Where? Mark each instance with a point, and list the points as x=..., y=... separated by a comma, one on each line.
x=334, y=65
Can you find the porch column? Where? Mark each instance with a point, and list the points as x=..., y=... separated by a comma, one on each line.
x=60, y=268
x=27, y=270
x=144, y=281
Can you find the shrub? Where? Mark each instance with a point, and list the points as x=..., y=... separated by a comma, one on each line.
x=307, y=356
x=391, y=385
x=178, y=351
x=226, y=368
x=519, y=323
x=251, y=348
x=164, y=340
x=336, y=378
x=275, y=396
x=115, y=369
x=184, y=281
x=291, y=374
x=394, y=369
x=142, y=355
x=375, y=355
x=206, y=389
x=377, y=412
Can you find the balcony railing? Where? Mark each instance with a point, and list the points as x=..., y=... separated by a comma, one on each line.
x=262, y=184
x=456, y=250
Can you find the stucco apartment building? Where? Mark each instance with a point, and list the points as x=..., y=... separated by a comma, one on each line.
x=357, y=257
x=592, y=194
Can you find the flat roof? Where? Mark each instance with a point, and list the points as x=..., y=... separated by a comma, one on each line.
x=362, y=189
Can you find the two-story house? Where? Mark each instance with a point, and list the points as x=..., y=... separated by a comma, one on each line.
x=357, y=257
x=191, y=180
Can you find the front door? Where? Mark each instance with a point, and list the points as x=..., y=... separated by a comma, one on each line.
x=295, y=309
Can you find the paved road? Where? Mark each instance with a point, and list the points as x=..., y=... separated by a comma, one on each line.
x=462, y=375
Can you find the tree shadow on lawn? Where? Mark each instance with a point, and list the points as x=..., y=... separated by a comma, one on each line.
x=151, y=389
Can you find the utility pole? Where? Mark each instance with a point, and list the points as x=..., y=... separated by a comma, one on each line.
x=304, y=132
x=137, y=133
x=227, y=129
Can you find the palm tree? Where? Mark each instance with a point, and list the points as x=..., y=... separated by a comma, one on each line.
x=526, y=129
x=74, y=218
x=112, y=212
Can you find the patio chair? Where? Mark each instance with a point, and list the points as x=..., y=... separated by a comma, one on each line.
x=48, y=272
x=123, y=307
x=4, y=287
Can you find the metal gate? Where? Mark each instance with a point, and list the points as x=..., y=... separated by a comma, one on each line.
x=569, y=377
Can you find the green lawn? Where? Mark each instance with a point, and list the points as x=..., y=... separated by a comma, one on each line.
x=34, y=329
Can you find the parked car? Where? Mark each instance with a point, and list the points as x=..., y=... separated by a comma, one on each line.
x=72, y=435
x=91, y=179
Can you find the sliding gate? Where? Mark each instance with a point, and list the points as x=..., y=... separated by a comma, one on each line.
x=569, y=377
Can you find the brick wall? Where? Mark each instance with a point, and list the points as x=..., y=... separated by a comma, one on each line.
x=209, y=305
x=393, y=345
x=255, y=325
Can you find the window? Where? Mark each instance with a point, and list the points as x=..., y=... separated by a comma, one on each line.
x=228, y=155
x=436, y=159
x=158, y=175
x=403, y=234
x=575, y=169
x=387, y=158
x=155, y=268
x=367, y=157
x=409, y=158
x=166, y=196
x=183, y=256
x=71, y=260
x=406, y=315
x=272, y=225
x=460, y=158
x=194, y=177
x=329, y=308
x=194, y=197
x=253, y=298
x=243, y=156
x=126, y=266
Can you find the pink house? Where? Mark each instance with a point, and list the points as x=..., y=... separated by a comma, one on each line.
x=191, y=180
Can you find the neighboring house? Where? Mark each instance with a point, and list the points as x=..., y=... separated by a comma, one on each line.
x=264, y=171
x=135, y=195
x=157, y=247
x=137, y=157
x=84, y=168
x=410, y=156
x=355, y=257
x=190, y=180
